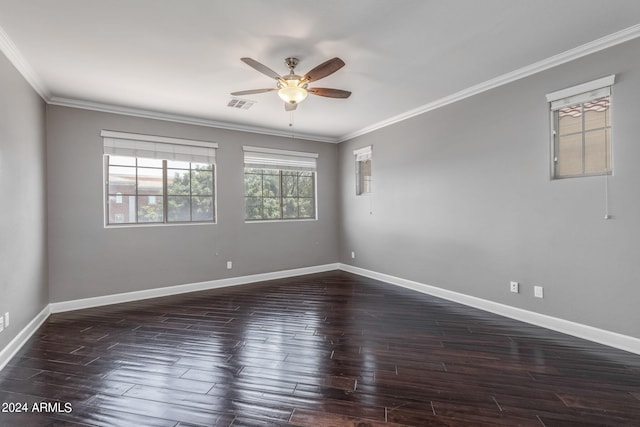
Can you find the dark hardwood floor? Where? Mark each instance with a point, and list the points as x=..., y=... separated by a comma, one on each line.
x=330, y=349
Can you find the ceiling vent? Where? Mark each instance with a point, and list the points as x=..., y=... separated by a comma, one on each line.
x=242, y=104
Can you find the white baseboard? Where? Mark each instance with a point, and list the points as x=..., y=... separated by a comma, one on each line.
x=59, y=307
x=590, y=333
x=601, y=336
x=19, y=340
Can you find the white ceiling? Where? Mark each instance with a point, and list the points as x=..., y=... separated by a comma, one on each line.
x=180, y=59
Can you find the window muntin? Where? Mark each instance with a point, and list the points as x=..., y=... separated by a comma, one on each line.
x=583, y=139
x=581, y=129
x=153, y=191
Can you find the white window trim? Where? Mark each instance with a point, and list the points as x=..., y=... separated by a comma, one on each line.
x=271, y=158
x=158, y=147
x=363, y=153
x=581, y=93
x=278, y=151
x=154, y=138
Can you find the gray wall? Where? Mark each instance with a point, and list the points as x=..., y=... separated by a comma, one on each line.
x=463, y=200
x=23, y=259
x=87, y=260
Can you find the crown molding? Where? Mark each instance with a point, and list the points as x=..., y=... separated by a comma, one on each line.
x=597, y=45
x=14, y=56
x=17, y=59
x=149, y=114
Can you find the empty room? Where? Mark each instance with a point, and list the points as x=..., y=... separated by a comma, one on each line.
x=339, y=213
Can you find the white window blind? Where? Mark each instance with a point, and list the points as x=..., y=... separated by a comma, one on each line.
x=158, y=147
x=269, y=158
x=582, y=93
x=363, y=154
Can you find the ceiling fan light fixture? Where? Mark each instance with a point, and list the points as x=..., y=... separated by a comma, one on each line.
x=292, y=93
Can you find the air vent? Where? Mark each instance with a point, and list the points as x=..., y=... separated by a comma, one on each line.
x=242, y=104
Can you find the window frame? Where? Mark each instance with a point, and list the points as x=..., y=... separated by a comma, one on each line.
x=164, y=197
x=362, y=155
x=580, y=95
x=281, y=162
x=282, y=197
x=164, y=150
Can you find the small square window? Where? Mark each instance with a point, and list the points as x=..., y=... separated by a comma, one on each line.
x=581, y=120
x=582, y=140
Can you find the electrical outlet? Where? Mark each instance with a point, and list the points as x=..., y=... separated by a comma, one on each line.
x=353, y=254
x=514, y=287
x=1, y=323
x=229, y=265
x=538, y=292
x=6, y=319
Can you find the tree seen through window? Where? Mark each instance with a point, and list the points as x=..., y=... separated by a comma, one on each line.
x=274, y=194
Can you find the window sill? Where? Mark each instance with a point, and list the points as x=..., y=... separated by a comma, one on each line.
x=555, y=178
x=272, y=221
x=151, y=225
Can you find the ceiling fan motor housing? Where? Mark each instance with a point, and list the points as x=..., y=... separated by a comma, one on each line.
x=291, y=62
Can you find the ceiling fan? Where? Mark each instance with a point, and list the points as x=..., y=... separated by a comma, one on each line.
x=293, y=88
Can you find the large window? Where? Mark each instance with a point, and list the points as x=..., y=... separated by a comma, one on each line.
x=157, y=180
x=279, y=185
x=581, y=118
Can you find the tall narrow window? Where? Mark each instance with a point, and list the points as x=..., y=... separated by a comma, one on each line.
x=581, y=120
x=363, y=170
x=158, y=180
x=279, y=184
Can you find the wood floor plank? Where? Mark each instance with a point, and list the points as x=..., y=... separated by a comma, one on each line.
x=37, y=419
x=328, y=349
x=159, y=380
x=307, y=418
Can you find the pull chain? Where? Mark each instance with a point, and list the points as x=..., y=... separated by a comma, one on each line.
x=606, y=197
x=291, y=125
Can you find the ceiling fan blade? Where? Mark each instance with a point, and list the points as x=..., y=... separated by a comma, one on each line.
x=290, y=107
x=251, y=91
x=324, y=69
x=329, y=93
x=261, y=68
